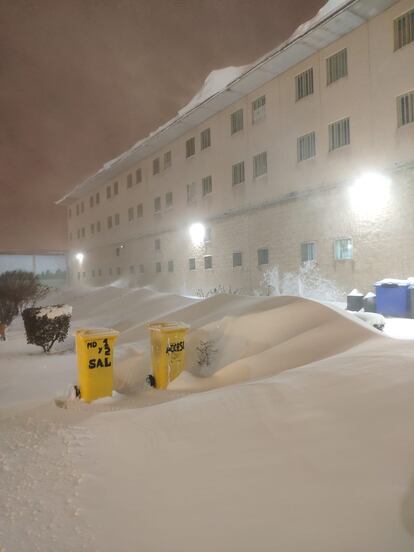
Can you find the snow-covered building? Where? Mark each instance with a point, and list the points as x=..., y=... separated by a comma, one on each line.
x=307, y=154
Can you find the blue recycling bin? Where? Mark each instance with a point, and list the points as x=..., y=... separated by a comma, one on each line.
x=393, y=298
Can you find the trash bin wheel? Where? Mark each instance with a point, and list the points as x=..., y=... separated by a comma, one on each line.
x=151, y=380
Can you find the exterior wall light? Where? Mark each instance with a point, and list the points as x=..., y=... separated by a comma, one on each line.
x=79, y=257
x=197, y=233
x=370, y=193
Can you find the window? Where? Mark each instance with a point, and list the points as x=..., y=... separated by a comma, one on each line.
x=167, y=159
x=97, y=198
x=207, y=185
x=83, y=232
x=208, y=262
x=116, y=188
x=339, y=134
x=92, y=228
x=82, y=207
x=343, y=249
x=237, y=259
x=129, y=180
x=190, y=147
x=98, y=226
x=77, y=209
x=157, y=204
x=118, y=251
x=237, y=173
x=236, y=121
x=336, y=66
x=108, y=192
x=109, y=222
x=405, y=108
x=260, y=164
x=207, y=235
x=170, y=266
x=99, y=272
x=91, y=201
x=70, y=236
x=158, y=267
x=118, y=270
x=78, y=234
x=191, y=264
x=258, y=109
x=141, y=269
x=130, y=214
x=132, y=269
x=304, y=84
x=307, y=252
x=306, y=146
x=138, y=176
x=168, y=200
x=157, y=244
x=117, y=220
x=205, y=139
x=404, y=30
x=262, y=256
x=140, y=210
x=156, y=166
x=191, y=192
x=70, y=212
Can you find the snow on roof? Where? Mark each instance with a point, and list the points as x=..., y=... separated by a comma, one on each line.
x=220, y=80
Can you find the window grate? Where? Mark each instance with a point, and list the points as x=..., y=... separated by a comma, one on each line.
x=260, y=164
x=307, y=252
x=207, y=185
x=205, y=137
x=337, y=66
x=304, y=84
x=339, y=134
x=306, y=146
x=404, y=30
x=236, y=121
x=190, y=147
x=238, y=173
x=258, y=109
x=405, y=108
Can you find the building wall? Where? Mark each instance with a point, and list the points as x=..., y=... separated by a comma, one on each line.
x=293, y=203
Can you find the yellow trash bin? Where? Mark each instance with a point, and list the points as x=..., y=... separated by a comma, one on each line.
x=94, y=350
x=168, y=351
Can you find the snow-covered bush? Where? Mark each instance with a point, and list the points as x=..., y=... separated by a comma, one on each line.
x=46, y=325
x=18, y=288
x=271, y=281
x=205, y=352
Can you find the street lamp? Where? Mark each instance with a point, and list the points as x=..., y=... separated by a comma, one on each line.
x=79, y=257
x=197, y=233
x=370, y=193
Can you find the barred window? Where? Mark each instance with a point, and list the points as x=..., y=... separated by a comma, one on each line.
x=190, y=147
x=167, y=159
x=205, y=138
x=97, y=198
x=307, y=252
x=157, y=244
x=131, y=214
x=258, y=109
x=404, y=30
x=129, y=180
x=191, y=264
x=304, y=84
x=157, y=204
x=208, y=262
x=191, y=192
x=236, y=120
x=109, y=221
x=108, y=192
x=405, y=109
x=207, y=236
x=140, y=210
x=238, y=173
x=138, y=176
x=158, y=267
x=91, y=201
x=339, y=134
x=306, y=146
x=337, y=66
x=70, y=212
x=77, y=209
x=117, y=220
x=262, y=256
x=343, y=249
x=207, y=185
x=116, y=188
x=260, y=164
x=118, y=251
x=237, y=259
x=168, y=199
x=170, y=266
x=82, y=207
x=156, y=165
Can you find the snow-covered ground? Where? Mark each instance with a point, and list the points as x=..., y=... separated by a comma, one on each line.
x=297, y=435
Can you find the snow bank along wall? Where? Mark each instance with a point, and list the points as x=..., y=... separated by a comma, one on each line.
x=234, y=164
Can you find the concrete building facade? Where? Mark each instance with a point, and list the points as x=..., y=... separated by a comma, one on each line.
x=306, y=156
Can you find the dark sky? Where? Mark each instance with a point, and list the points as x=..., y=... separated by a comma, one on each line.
x=82, y=80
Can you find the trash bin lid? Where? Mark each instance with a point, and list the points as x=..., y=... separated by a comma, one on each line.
x=97, y=332
x=167, y=326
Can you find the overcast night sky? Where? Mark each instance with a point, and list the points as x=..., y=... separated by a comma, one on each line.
x=82, y=80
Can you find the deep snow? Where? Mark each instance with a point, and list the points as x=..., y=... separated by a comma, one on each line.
x=299, y=437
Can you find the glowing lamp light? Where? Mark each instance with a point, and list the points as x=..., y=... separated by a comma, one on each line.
x=370, y=193
x=197, y=233
x=79, y=257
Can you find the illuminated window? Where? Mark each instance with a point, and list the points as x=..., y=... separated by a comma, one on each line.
x=343, y=249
